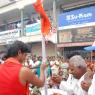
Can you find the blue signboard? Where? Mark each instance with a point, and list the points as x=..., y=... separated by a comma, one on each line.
x=33, y=29
x=77, y=17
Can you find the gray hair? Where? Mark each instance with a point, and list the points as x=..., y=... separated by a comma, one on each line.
x=78, y=61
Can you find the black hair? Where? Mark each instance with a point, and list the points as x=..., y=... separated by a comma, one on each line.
x=13, y=49
x=4, y=57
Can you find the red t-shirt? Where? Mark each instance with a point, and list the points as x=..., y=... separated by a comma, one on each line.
x=9, y=78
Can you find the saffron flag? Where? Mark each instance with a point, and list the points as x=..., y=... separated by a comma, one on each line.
x=45, y=23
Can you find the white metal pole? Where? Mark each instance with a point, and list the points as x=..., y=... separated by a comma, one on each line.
x=55, y=23
x=44, y=59
x=22, y=22
x=54, y=13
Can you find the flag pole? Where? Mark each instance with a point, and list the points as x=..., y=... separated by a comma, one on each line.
x=45, y=27
x=44, y=59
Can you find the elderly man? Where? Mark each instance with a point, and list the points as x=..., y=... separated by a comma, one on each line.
x=77, y=68
x=91, y=89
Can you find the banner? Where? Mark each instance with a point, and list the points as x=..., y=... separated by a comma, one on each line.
x=9, y=34
x=77, y=18
x=33, y=29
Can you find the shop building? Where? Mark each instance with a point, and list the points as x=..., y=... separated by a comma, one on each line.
x=76, y=30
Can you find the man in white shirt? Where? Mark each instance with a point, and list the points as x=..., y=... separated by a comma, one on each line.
x=77, y=68
x=91, y=90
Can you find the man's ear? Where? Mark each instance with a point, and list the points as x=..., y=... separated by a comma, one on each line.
x=19, y=52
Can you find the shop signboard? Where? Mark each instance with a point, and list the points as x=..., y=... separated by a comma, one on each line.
x=9, y=34
x=77, y=18
x=33, y=29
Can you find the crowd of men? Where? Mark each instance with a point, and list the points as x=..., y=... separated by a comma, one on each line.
x=21, y=69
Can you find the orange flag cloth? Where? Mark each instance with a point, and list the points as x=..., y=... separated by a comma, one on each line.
x=45, y=23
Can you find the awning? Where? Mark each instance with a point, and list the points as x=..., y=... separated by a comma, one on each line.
x=70, y=44
x=90, y=48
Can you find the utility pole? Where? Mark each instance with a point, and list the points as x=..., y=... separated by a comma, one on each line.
x=22, y=33
x=54, y=24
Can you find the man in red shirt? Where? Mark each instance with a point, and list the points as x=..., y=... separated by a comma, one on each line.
x=14, y=78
